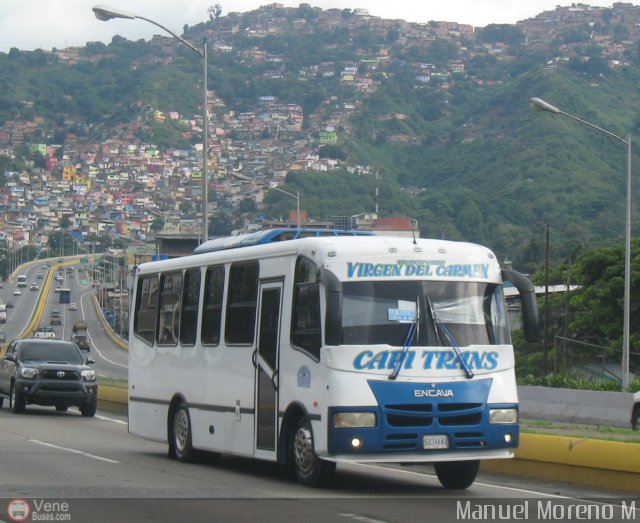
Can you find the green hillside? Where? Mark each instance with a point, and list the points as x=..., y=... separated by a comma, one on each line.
x=463, y=154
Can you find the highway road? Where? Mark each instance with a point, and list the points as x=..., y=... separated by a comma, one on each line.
x=23, y=306
x=89, y=462
x=111, y=360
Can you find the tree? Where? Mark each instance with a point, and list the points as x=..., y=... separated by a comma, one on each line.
x=157, y=224
x=597, y=304
x=247, y=205
x=220, y=226
x=505, y=33
x=214, y=12
x=65, y=222
x=186, y=208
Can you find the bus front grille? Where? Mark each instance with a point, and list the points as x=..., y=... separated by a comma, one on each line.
x=435, y=417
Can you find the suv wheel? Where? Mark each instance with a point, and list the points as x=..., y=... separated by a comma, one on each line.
x=16, y=401
x=88, y=409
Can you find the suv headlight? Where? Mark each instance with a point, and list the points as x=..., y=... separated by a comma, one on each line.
x=28, y=372
x=89, y=375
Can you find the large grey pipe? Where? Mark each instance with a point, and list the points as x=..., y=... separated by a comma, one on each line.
x=529, y=304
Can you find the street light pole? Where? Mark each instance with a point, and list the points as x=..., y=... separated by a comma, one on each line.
x=105, y=13
x=540, y=105
x=296, y=196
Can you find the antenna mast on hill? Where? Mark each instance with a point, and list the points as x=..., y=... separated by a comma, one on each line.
x=377, y=189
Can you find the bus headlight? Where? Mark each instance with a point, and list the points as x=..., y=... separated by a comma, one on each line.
x=497, y=416
x=342, y=420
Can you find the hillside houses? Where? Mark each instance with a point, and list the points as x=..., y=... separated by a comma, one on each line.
x=122, y=185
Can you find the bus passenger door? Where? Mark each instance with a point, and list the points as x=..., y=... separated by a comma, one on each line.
x=266, y=361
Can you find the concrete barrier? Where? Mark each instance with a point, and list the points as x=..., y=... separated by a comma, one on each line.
x=610, y=465
x=576, y=406
x=113, y=399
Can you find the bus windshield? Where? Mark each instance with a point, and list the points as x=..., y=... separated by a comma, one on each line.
x=380, y=312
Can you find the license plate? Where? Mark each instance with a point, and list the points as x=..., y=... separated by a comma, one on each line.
x=438, y=441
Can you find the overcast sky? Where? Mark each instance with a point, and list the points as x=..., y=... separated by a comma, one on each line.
x=44, y=24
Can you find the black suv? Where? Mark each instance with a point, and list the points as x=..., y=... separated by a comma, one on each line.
x=81, y=339
x=47, y=372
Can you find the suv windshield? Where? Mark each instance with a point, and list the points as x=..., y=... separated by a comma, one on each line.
x=43, y=352
x=380, y=312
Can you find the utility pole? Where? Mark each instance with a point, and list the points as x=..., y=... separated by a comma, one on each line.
x=546, y=299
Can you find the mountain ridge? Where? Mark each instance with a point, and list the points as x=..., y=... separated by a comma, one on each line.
x=441, y=114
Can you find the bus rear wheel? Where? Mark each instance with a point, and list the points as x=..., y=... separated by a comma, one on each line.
x=309, y=469
x=457, y=475
x=180, y=444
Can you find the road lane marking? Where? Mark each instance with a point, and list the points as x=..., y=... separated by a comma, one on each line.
x=103, y=356
x=477, y=483
x=104, y=418
x=364, y=519
x=91, y=339
x=73, y=451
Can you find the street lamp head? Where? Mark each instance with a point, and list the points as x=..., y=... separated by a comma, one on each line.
x=538, y=104
x=106, y=13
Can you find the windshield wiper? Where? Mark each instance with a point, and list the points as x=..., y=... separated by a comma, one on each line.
x=441, y=328
x=407, y=342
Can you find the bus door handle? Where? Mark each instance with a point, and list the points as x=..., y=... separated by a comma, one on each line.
x=254, y=358
x=275, y=380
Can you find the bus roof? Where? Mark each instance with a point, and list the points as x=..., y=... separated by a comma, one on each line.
x=271, y=236
x=350, y=259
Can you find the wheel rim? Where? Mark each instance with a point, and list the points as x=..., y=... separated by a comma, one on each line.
x=303, y=450
x=12, y=399
x=181, y=430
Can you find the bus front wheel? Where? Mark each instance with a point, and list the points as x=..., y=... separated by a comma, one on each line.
x=457, y=475
x=180, y=444
x=309, y=469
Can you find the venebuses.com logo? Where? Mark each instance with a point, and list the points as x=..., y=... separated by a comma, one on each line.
x=20, y=509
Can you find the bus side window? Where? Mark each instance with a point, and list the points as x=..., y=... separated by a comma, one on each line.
x=170, y=308
x=305, y=315
x=212, y=308
x=242, y=298
x=144, y=325
x=190, y=303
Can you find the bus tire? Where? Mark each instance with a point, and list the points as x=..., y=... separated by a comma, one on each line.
x=180, y=445
x=457, y=475
x=310, y=470
x=17, y=402
x=635, y=417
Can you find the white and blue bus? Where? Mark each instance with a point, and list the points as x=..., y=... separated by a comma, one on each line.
x=322, y=350
x=22, y=280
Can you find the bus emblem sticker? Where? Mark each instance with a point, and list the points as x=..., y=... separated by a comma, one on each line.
x=304, y=377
